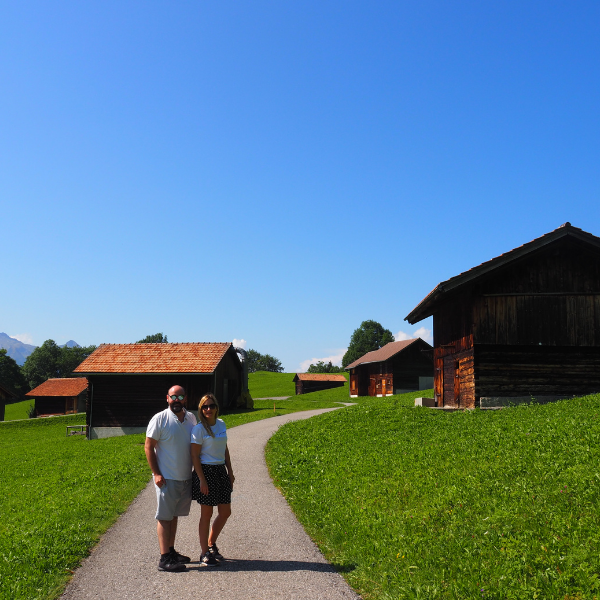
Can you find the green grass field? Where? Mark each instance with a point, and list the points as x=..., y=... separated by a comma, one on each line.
x=18, y=410
x=416, y=503
x=263, y=384
x=58, y=494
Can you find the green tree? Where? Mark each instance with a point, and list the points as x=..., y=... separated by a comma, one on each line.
x=370, y=336
x=263, y=362
x=50, y=360
x=11, y=376
x=157, y=338
x=322, y=367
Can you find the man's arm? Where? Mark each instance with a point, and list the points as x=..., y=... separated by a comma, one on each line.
x=150, y=450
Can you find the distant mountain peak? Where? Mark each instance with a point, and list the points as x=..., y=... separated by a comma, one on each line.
x=71, y=344
x=16, y=349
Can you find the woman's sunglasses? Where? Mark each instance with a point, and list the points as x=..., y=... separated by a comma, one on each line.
x=211, y=406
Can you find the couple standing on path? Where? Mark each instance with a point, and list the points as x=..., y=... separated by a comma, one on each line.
x=174, y=443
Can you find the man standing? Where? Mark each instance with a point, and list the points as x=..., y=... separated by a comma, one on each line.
x=168, y=452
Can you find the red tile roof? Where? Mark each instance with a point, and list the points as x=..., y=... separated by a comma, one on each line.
x=319, y=377
x=67, y=386
x=385, y=352
x=427, y=305
x=154, y=358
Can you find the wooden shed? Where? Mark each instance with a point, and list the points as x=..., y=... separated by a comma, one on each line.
x=396, y=368
x=6, y=396
x=523, y=325
x=314, y=382
x=61, y=396
x=129, y=382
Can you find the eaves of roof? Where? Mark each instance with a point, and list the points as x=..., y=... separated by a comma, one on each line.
x=427, y=306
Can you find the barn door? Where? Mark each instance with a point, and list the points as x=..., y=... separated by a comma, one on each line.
x=438, y=382
x=383, y=386
x=372, y=385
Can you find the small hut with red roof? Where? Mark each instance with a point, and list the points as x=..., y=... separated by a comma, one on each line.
x=314, y=382
x=60, y=396
x=396, y=368
x=129, y=382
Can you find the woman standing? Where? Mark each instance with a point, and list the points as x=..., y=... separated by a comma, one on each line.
x=212, y=480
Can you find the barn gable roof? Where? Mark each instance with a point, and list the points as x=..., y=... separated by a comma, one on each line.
x=66, y=386
x=385, y=352
x=192, y=358
x=428, y=305
x=6, y=391
x=319, y=377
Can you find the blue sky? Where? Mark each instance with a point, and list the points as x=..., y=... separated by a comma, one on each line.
x=280, y=172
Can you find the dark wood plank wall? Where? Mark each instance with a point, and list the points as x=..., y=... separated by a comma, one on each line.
x=407, y=366
x=537, y=371
x=56, y=405
x=132, y=400
x=229, y=368
x=453, y=354
x=306, y=387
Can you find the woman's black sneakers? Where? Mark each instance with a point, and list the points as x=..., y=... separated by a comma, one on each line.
x=215, y=552
x=208, y=560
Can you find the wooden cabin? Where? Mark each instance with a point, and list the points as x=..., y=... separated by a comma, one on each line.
x=6, y=397
x=522, y=326
x=396, y=368
x=129, y=382
x=61, y=396
x=314, y=382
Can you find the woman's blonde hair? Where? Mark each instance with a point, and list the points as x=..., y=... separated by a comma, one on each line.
x=202, y=417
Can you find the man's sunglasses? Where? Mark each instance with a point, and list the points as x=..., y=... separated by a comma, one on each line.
x=177, y=398
x=211, y=406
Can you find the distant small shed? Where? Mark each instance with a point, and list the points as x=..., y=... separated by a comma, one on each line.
x=129, y=382
x=396, y=368
x=61, y=396
x=314, y=382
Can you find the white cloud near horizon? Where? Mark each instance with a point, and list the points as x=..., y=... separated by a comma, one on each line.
x=23, y=337
x=424, y=333
x=336, y=360
x=239, y=343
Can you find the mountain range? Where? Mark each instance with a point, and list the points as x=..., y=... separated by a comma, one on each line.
x=20, y=351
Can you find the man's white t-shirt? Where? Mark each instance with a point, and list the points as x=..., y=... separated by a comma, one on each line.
x=213, y=448
x=173, y=448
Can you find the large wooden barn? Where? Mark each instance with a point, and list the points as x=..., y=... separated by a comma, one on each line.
x=396, y=368
x=314, y=382
x=60, y=396
x=523, y=325
x=129, y=382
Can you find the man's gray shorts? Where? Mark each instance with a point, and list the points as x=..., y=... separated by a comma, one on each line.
x=173, y=499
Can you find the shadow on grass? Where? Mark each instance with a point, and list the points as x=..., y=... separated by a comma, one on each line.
x=278, y=565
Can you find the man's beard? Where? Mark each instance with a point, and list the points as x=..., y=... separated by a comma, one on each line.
x=176, y=407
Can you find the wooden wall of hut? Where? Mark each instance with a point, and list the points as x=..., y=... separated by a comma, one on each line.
x=132, y=400
x=305, y=387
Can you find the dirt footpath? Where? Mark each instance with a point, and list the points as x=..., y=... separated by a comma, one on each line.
x=268, y=554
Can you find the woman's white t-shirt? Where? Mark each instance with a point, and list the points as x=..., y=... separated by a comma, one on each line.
x=213, y=448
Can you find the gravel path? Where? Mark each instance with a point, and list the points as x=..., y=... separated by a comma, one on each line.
x=268, y=554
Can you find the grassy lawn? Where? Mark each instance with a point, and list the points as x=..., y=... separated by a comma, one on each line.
x=264, y=384
x=416, y=503
x=18, y=410
x=58, y=494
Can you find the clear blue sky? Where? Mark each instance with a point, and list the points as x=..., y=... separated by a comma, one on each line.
x=278, y=172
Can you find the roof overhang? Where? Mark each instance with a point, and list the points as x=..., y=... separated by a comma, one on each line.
x=428, y=305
